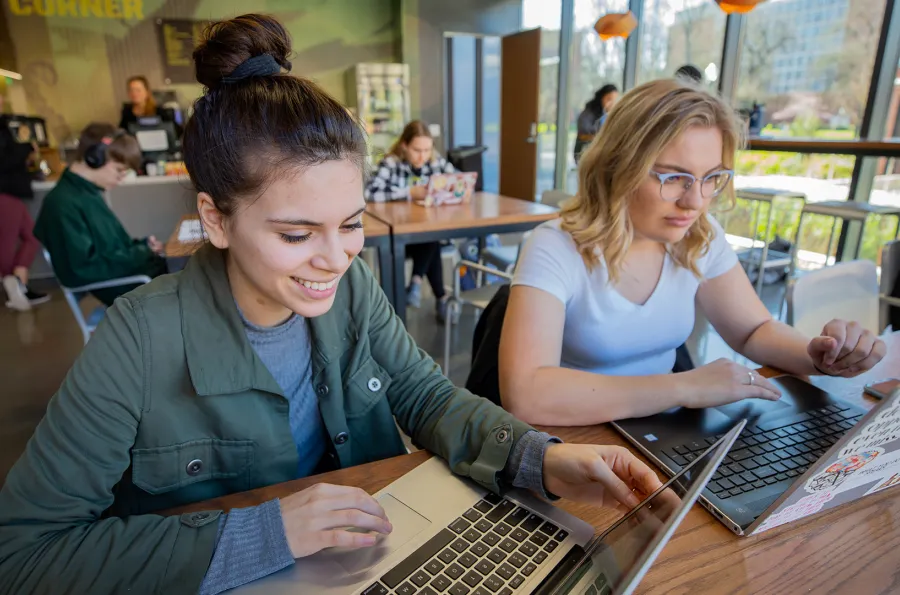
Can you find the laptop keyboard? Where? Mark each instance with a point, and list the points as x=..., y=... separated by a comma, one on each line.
x=771, y=451
x=489, y=550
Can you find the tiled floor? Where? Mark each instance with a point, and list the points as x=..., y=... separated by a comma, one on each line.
x=37, y=348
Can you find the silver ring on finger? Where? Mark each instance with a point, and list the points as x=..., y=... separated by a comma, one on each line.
x=752, y=378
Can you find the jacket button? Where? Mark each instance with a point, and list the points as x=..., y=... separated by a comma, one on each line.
x=322, y=390
x=502, y=436
x=194, y=467
x=341, y=437
x=200, y=516
x=374, y=385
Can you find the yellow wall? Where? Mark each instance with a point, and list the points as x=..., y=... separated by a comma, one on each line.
x=75, y=55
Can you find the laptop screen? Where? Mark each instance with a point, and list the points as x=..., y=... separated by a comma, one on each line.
x=616, y=560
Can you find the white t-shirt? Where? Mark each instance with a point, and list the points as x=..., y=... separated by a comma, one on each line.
x=604, y=332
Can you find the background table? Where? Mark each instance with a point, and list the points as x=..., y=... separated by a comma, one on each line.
x=378, y=236
x=485, y=214
x=852, y=549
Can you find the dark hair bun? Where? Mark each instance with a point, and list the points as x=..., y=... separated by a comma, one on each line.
x=227, y=44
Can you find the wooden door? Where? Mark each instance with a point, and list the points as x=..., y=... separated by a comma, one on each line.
x=520, y=77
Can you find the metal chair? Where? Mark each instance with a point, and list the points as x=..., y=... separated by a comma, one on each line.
x=847, y=290
x=479, y=298
x=505, y=257
x=74, y=295
x=890, y=270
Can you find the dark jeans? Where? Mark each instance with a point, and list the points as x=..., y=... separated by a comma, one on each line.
x=427, y=263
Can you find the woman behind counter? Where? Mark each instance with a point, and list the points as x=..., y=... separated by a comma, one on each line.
x=141, y=103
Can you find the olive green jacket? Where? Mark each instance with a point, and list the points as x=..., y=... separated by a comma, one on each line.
x=169, y=404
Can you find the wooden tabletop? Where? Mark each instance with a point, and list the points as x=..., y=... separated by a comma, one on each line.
x=175, y=248
x=852, y=549
x=859, y=147
x=484, y=210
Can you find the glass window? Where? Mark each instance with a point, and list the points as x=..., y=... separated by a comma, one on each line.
x=463, y=88
x=546, y=14
x=823, y=96
x=595, y=63
x=490, y=112
x=679, y=32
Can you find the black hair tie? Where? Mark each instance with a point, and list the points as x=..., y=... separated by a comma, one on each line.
x=262, y=65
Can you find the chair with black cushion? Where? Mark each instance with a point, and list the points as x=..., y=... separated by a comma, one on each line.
x=484, y=377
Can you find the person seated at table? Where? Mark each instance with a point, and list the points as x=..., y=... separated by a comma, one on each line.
x=593, y=116
x=85, y=239
x=403, y=174
x=603, y=295
x=273, y=355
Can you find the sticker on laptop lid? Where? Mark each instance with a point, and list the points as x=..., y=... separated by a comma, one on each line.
x=892, y=481
x=883, y=428
x=833, y=476
x=803, y=507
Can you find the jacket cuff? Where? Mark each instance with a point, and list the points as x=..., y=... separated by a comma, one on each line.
x=251, y=544
x=525, y=467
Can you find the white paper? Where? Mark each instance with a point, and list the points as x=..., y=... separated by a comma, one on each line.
x=191, y=231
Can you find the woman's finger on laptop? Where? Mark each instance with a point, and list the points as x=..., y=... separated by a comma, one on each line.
x=759, y=388
x=326, y=496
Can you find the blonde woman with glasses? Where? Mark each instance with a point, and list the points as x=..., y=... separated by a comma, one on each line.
x=604, y=295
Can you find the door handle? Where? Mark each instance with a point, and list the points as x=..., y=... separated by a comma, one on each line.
x=532, y=134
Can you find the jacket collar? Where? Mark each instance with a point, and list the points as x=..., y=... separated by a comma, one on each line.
x=219, y=356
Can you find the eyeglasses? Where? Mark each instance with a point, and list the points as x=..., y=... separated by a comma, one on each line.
x=674, y=186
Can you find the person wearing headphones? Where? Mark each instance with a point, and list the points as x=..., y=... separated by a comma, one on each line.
x=86, y=241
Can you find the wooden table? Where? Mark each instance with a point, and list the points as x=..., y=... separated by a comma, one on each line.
x=853, y=549
x=378, y=236
x=858, y=147
x=485, y=214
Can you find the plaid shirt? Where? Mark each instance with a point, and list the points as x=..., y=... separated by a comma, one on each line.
x=393, y=178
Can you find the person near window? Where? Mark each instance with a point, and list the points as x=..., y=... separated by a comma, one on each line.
x=690, y=73
x=604, y=295
x=403, y=174
x=593, y=115
x=86, y=241
x=273, y=355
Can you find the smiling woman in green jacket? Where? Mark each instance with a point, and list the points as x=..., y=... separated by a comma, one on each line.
x=272, y=356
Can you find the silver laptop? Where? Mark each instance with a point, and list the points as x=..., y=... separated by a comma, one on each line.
x=801, y=455
x=453, y=537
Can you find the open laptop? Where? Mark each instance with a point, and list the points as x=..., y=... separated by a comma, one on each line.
x=449, y=189
x=803, y=454
x=452, y=536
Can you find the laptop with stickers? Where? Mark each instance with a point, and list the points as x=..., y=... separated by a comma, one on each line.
x=806, y=453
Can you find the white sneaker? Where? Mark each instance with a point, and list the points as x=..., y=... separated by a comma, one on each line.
x=15, y=294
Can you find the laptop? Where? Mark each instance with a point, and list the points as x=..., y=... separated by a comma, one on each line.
x=806, y=453
x=452, y=536
x=449, y=189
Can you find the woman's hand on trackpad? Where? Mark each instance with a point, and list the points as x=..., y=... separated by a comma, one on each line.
x=722, y=382
x=326, y=515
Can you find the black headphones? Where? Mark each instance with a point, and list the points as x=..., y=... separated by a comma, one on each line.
x=95, y=155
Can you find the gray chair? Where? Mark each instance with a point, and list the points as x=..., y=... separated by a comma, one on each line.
x=479, y=298
x=74, y=295
x=505, y=257
x=848, y=290
x=890, y=270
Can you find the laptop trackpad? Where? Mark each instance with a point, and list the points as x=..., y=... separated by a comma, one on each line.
x=407, y=524
x=751, y=408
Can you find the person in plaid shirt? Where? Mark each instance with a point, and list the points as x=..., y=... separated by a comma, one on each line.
x=403, y=175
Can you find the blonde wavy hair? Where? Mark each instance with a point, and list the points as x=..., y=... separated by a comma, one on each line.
x=619, y=160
